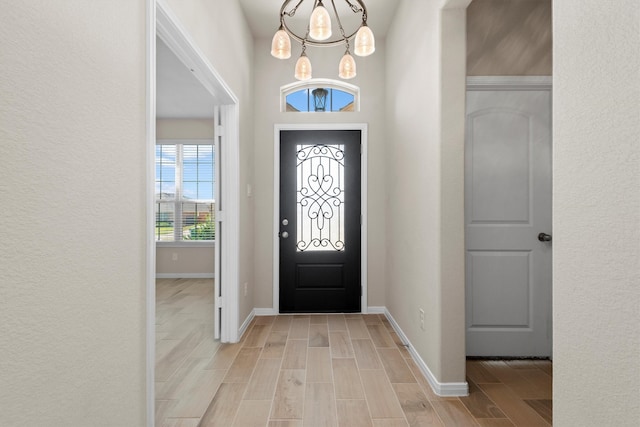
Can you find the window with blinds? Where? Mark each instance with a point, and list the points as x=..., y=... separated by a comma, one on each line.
x=185, y=186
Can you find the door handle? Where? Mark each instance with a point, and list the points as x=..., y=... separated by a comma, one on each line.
x=544, y=237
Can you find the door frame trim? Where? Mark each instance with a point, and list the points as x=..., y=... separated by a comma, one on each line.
x=162, y=22
x=362, y=127
x=509, y=83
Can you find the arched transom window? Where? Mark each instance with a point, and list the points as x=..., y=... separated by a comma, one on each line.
x=319, y=96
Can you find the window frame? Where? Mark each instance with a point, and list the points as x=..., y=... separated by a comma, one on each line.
x=178, y=200
x=319, y=83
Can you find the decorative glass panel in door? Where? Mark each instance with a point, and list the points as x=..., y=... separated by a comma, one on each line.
x=320, y=213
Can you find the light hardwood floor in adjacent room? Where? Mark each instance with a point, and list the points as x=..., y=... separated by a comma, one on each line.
x=320, y=370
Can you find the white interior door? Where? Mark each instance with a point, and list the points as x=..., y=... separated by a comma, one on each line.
x=507, y=206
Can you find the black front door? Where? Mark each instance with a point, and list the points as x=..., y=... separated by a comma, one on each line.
x=320, y=221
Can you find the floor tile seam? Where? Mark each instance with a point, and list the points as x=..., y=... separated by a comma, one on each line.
x=184, y=360
x=350, y=341
x=252, y=369
x=335, y=403
x=220, y=344
x=403, y=361
x=366, y=401
x=429, y=402
x=515, y=392
x=332, y=373
x=534, y=411
x=235, y=418
x=189, y=374
x=384, y=372
x=268, y=332
x=534, y=385
x=375, y=348
x=304, y=393
x=273, y=396
x=503, y=411
x=213, y=399
x=526, y=401
x=490, y=400
x=333, y=380
x=471, y=415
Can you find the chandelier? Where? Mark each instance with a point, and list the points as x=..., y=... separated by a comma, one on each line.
x=319, y=33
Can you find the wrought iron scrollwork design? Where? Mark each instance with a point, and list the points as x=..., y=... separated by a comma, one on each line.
x=320, y=175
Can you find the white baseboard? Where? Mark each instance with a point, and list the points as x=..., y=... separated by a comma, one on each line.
x=184, y=276
x=245, y=324
x=272, y=312
x=441, y=389
x=265, y=312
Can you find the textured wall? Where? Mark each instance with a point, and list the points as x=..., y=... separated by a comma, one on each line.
x=72, y=184
x=220, y=31
x=425, y=121
x=509, y=38
x=275, y=73
x=596, y=167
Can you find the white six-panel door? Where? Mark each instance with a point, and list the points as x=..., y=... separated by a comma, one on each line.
x=507, y=206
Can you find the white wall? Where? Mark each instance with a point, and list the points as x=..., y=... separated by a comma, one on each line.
x=275, y=73
x=220, y=31
x=72, y=296
x=175, y=261
x=425, y=115
x=596, y=242
x=184, y=129
x=72, y=184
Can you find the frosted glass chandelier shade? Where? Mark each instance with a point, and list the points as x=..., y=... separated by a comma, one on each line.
x=320, y=23
x=347, y=67
x=365, y=43
x=281, y=45
x=317, y=22
x=303, y=68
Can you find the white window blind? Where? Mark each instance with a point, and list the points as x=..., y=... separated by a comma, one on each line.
x=185, y=186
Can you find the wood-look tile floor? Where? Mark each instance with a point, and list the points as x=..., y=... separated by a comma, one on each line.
x=321, y=370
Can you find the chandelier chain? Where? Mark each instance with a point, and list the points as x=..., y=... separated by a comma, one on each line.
x=293, y=11
x=344, y=36
x=353, y=7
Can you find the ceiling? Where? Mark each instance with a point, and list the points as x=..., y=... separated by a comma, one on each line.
x=179, y=94
x=263, y=16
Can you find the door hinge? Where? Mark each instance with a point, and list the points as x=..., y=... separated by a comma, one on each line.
x=360, y=290
x=219, y=130
x=219, y=302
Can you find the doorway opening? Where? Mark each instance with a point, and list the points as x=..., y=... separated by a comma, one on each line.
x=164, y=25
x=508, y=179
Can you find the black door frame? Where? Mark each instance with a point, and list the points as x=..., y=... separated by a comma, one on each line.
x=362, y=127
